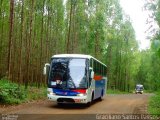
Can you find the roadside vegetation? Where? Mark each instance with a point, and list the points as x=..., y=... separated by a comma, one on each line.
x=151, y=73
x=154, y=104
x=111, y=91
x=32, y=31
x=12, y=93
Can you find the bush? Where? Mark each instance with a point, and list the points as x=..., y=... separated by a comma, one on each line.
x=36, y=93
x=154, y=104
x=11, y=93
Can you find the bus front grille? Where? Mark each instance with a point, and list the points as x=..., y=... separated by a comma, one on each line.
x=65, y=100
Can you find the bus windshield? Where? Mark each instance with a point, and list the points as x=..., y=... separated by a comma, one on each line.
x=68, y=73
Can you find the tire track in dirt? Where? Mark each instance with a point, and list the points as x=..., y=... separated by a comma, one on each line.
x=112, y=104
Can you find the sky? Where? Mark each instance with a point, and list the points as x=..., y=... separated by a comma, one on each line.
x=134, y=8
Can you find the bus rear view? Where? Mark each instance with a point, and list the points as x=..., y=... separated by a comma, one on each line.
x=71, y=79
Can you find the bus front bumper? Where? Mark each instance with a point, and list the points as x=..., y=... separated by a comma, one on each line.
x=67, y=99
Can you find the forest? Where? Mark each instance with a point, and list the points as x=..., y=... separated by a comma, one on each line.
x=31, y=31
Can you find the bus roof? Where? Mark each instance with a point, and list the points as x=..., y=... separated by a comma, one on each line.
x=76, y=56
x=139, y=85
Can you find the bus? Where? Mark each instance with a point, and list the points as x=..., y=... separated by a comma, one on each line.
x=75, y=78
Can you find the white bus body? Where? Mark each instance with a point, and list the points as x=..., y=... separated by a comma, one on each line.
x=75, y=78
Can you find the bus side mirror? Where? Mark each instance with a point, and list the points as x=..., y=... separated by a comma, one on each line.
x=91, y=73
x=46, y=69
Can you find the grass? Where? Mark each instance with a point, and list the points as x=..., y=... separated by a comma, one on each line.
x=154, y=104
x=110, y=91
x=12, y=93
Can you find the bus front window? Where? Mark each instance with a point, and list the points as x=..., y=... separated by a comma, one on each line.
x=68, y=73
x=77, y=72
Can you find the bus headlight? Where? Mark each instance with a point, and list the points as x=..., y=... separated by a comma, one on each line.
x=81, y=94
x=50, y=92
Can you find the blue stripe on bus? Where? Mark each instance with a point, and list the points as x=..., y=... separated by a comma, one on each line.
x=65, y=92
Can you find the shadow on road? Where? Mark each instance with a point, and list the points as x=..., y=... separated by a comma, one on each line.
x=74, y=105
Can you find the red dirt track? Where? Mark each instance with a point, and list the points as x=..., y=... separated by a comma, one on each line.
x=111, y=104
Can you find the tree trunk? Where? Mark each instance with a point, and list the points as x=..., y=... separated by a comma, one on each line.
x=41, y=45
x=10, y=44
x=69, y=29
x=109, y=65
x=29, y=42
x=1, y=40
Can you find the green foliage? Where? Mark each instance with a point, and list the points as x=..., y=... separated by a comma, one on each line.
x=147, y=73
x=154, y=104
x=43, y=28
x=154, y=7
x=36, y=93
x=12, y=93
x=110, y=91
x=156, y=45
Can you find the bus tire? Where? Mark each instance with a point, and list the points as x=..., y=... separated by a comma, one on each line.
x=92, y=98
x=101, y=97
x=88, y=104
x=59, y=104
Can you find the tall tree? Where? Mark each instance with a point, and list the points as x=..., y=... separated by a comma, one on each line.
x=10, y=45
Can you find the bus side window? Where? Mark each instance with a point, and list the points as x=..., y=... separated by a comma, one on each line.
x=105, y=70
x=98, y=68
x=101, y=70
x=91, y=63
x=94, y=66
x=97, y=65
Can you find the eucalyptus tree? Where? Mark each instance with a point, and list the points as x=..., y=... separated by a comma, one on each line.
x=4, y=32
x=39, y=29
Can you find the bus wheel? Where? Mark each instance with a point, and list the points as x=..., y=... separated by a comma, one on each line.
x=92, y=99
x=88, y=104
x=101, y=97
x=59, y=104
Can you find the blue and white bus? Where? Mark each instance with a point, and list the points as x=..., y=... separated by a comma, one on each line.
x=75, y=78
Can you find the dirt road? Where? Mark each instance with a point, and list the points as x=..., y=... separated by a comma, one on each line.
x=111, y=104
